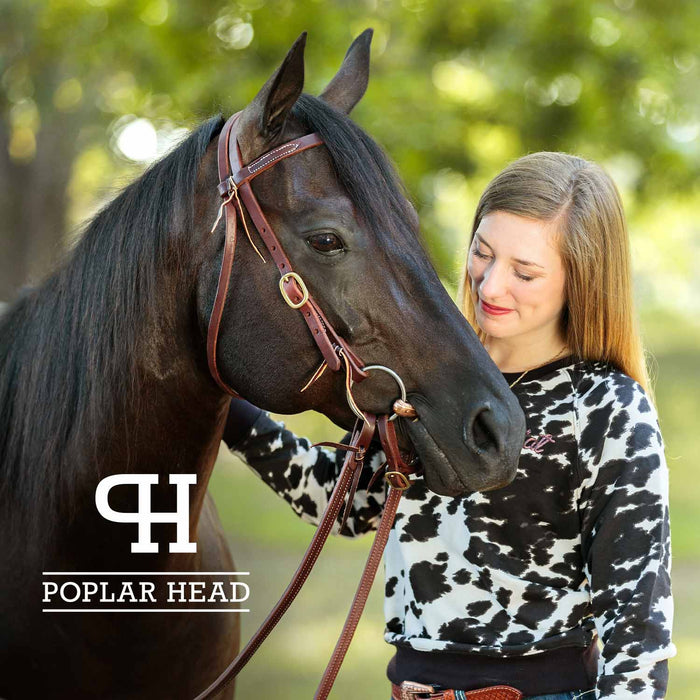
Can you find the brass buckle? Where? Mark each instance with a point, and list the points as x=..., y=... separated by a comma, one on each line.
x=405, y=481
x=300, y=282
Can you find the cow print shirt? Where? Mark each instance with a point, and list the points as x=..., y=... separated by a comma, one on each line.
x=577, y=545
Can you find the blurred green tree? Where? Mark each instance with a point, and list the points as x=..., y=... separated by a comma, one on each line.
x=458, y=90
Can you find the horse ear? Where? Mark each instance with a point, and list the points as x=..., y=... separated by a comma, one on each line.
x=350, y=82
x=268, y=112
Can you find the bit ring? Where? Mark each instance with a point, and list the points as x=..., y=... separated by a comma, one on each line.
x=399, y=381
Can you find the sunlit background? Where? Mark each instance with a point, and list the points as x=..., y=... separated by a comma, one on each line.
x=91, y=92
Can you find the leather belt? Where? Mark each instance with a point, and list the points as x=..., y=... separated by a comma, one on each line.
x=410, y=690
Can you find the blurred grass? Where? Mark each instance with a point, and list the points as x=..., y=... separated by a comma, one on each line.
x=268, y=540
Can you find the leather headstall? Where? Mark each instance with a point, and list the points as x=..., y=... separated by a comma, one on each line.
x=239, y=199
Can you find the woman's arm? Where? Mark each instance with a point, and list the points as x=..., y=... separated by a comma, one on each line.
x=303, y=475
x=626, y=542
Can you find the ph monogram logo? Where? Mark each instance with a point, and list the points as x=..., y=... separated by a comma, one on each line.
x=144, y=516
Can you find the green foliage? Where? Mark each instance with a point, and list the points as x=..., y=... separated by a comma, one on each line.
x=471, y=85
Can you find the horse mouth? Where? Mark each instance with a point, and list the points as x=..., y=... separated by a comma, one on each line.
x=441, y=476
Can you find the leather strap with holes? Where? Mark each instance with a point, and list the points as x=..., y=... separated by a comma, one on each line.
x=238, y=198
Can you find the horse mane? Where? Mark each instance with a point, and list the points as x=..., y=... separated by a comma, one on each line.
x=68, y=348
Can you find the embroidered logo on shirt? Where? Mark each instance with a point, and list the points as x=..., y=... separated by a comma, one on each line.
x=536, y=443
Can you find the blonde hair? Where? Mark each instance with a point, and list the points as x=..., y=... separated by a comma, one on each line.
x=598, y=321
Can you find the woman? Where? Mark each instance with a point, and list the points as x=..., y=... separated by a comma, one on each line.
x=522, y=585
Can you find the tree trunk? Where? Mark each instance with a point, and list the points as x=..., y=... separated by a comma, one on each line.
x=33, y=204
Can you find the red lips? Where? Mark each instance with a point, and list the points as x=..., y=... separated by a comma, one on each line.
x=493, y=310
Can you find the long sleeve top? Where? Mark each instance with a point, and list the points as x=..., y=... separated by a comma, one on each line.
x=576, y=548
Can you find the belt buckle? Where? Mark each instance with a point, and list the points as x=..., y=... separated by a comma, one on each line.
x=410, y=690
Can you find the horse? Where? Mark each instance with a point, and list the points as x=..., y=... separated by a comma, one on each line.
x=103, y=371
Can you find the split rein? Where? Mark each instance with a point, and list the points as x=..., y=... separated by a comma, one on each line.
x=238, y=198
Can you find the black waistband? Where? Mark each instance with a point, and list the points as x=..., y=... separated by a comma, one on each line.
x=553, y=671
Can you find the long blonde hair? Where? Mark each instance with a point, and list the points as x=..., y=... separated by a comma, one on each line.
x=598, y=320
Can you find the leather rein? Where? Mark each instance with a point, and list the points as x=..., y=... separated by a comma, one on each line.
x=238, y=198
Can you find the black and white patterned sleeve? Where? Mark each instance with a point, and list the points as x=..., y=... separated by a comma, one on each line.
x=304, y=476
x=626, y=543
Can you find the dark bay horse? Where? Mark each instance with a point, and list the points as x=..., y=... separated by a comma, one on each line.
x=103, y=371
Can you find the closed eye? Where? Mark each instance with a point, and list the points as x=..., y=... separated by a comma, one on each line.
x=326, y=243
x=484, y=256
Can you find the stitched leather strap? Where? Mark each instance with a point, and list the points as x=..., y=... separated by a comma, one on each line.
x=361, y=595
x=238, y=199
x=395, y=465
x=353, y=462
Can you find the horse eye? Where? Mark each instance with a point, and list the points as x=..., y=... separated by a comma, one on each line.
x=327, y=243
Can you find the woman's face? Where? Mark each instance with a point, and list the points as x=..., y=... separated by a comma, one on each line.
x=517, y=277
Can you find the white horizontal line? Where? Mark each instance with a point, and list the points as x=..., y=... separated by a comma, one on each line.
x=209, y=610
x=145, y=573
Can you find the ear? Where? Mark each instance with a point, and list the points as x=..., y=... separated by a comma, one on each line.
x=350, y=82
x=265, y=116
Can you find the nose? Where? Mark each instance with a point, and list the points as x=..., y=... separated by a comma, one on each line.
x=493, y=282
x=483, y=431
x=488, y=434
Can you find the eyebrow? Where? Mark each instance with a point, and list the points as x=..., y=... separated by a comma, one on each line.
x=517, y=260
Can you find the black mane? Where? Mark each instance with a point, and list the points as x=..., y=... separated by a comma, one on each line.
x=68, y=347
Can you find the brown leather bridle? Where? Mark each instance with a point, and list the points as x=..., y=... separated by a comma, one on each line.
x=238, y=197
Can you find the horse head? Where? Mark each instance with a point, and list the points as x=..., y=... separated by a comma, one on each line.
x=345, y=223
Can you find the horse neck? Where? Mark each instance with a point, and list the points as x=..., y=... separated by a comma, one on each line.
x=175, y=424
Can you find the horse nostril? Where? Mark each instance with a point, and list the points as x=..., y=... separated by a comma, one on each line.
x=482, y=432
